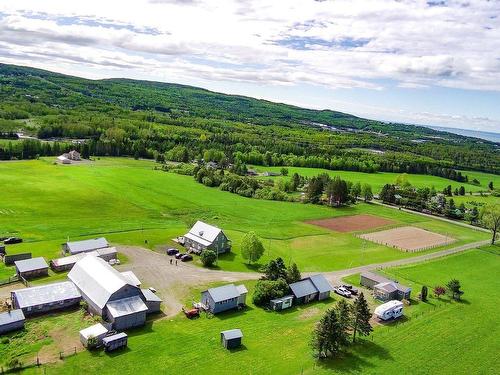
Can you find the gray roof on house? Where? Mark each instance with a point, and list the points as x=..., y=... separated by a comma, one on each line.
x=126, y=306
x=321, y=283
x=375, y=277
x=203, y=233
x=87, y=245
x=40, y=295
x=223, y=293
x=303, y=288
x=118, y=336
x=232, y=334
x=388, y=287
x=32, y=264
x=11, y=316
x=403, y=288
x=97, y=279
x=150, y=296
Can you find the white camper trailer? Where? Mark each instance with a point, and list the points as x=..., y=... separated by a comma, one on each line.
x=390, y=310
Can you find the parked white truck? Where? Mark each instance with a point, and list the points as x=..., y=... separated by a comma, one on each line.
x=389, y=310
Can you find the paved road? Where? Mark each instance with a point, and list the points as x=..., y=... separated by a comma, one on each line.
x=335, y=277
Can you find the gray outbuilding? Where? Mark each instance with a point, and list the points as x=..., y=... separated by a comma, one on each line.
x=31, y=268
x=385, y=289
x=85, y=246
x=67, y=263
x=231, y=339
x=223, y=298
x=12, y=320
x=281, y=303
x=45, y=298
x=153, y=302
x=126, y=313
x=311, y=288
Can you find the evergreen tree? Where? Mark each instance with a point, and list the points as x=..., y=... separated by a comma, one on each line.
x=454, y=288
x=275, y=269
x=328, y=336
x=293, y=274
x=423, y=293
x=361, y=316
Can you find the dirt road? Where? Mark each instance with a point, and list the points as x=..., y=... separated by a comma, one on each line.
x=335, y=277
x=173, y=282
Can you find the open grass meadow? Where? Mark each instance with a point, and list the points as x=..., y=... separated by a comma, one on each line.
x=131, y=203
x=377, y=180
x=454, y=337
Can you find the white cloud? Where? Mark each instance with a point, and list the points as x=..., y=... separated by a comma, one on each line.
x=336, y=44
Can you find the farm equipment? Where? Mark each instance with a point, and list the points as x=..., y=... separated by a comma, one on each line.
x=192, y=313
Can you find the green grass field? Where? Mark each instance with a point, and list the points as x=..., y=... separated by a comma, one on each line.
x=377, y=180
x=437, y=336
x=129, y=202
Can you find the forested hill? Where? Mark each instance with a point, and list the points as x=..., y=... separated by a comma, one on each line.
x=121, y=116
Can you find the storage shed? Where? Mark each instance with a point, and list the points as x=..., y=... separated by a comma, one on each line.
x=31, y=268
x=92, y=336
x=115, y=342
x=224, y=298
x=85, y=246
x=126, y=313
x=153, y=302
x=383, y=288
x=231, y=339
x=45, y=298
x=311, y=288
x=281, y=303
x=12, y=320
x=67, y=263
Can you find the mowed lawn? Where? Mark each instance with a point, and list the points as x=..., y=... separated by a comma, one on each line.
x=440, y=336
x=131, y=203
x=377, y=180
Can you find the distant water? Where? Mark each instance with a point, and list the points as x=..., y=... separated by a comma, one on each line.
x=489, y=136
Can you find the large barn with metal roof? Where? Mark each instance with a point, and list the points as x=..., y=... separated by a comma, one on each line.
x=109, y=293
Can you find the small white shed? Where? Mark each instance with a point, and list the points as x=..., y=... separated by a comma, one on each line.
x=92, y=336
x=243, y=294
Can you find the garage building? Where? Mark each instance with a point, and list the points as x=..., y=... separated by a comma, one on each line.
x=45, y=298
x=12, y=320
x=67, y=263
x=31, y=268
x=85, y=246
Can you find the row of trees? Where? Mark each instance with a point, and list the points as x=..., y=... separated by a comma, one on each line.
x=339, y=327
x=337, y=191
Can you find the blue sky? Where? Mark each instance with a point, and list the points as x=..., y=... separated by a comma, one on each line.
x=422, y=62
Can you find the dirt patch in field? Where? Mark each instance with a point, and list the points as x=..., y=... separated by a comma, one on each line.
x=408, y=238
x=352, y=223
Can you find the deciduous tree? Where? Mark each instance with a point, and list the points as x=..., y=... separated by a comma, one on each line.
x=251, y=247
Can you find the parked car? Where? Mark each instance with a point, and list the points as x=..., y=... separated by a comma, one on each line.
x=172, y=251
x=179, y=255
x=186, y=257
x=351, y=289
x=342, y=291
x=12, y=240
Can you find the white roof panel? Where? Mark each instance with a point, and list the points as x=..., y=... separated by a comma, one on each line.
x=204, y=231
x=150, y=296
x=97, y=279
x=131, y=278
x=94, y=331
x=126, y=306
x=50, y=293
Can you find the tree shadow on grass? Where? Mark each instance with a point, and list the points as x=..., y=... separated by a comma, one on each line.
x=232, y=313
x=353, y=362
x=301, y=307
